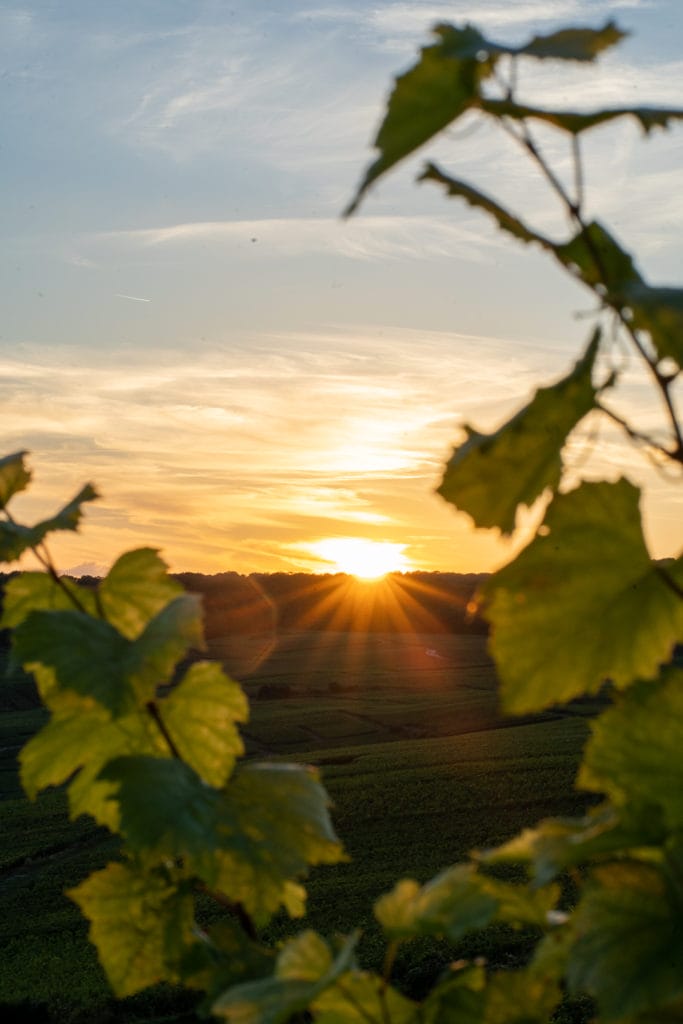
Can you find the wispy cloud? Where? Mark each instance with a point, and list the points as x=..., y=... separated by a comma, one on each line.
x=366, y=238
x=223, y=457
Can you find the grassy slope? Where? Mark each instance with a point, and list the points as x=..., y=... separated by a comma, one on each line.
x=419, y=764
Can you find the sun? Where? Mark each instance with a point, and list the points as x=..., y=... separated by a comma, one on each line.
x=365, y=559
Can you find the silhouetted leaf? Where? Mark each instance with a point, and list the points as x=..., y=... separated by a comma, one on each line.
x=426, y=99
x=15, y=538
x=14, y=476
x=575, y=122
x=490, y=475
x=582, y=44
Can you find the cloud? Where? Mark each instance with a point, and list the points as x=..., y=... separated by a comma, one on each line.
x=251, y=446
x=392, y=26
x=366, y=238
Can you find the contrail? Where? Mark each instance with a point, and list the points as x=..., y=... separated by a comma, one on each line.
x=133, y=298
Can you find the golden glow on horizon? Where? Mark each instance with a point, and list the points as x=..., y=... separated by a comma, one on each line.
x=357, y=556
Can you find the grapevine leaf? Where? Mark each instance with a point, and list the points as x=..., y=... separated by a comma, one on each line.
x=506, y=997
x=81, y=741
x=520, y=905
x=37, y=591
x=582, y=603
x=450, y=905
x=136, y=588
x=520, y=997
x=431, y=95
x=87, y=654
x=165, y=808
x=628, y=952
x=582, y=44
x=575, y=121
x=273, y=824
x=603, y=834
x=358, y=997
x=304, y=969
x=506, y=221
x=597, y=259
x=490, y=475
x=458, y=997
x=15, y=538
x=200, y=715
x=164, y=640
x=634, y=750
x=223, y=956
x=14, y=476
x=139, y=923
x=659, y=311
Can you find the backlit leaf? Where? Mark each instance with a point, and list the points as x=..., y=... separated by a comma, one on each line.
x=82, y=741
x=37, y=591
x=15, y=538
x=490, y=475
x=273, y=825
x=14, y=476
x=628, y=950
x=474, y=197
x=575, y=121
x=582, y=603
x=165, y=639
x=87, y=654
x=200, y=715
x=136, y=588
x=603, y=834
x=597, y=259
x=304, y=969
x=359, y=997
x=140, y=925
x=165, y=808
x=659, y=311
x=450, y=905
x=582, y=44
x=520, y=997
x=458, y=997
x=634, y=753
x=426, y=99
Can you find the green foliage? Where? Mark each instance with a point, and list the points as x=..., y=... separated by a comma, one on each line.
x=150, y=748
x=619, y=623
x=491, y=475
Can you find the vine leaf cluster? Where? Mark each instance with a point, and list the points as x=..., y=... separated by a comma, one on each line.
x=149, y=746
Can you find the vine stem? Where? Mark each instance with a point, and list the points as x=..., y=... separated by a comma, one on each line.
x=153, y=709
x=670, y=582
x=635, y=435
x=662, y=381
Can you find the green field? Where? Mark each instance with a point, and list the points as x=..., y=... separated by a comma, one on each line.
x=419, y=763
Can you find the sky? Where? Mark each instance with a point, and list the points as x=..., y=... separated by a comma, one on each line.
x=188, y=323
